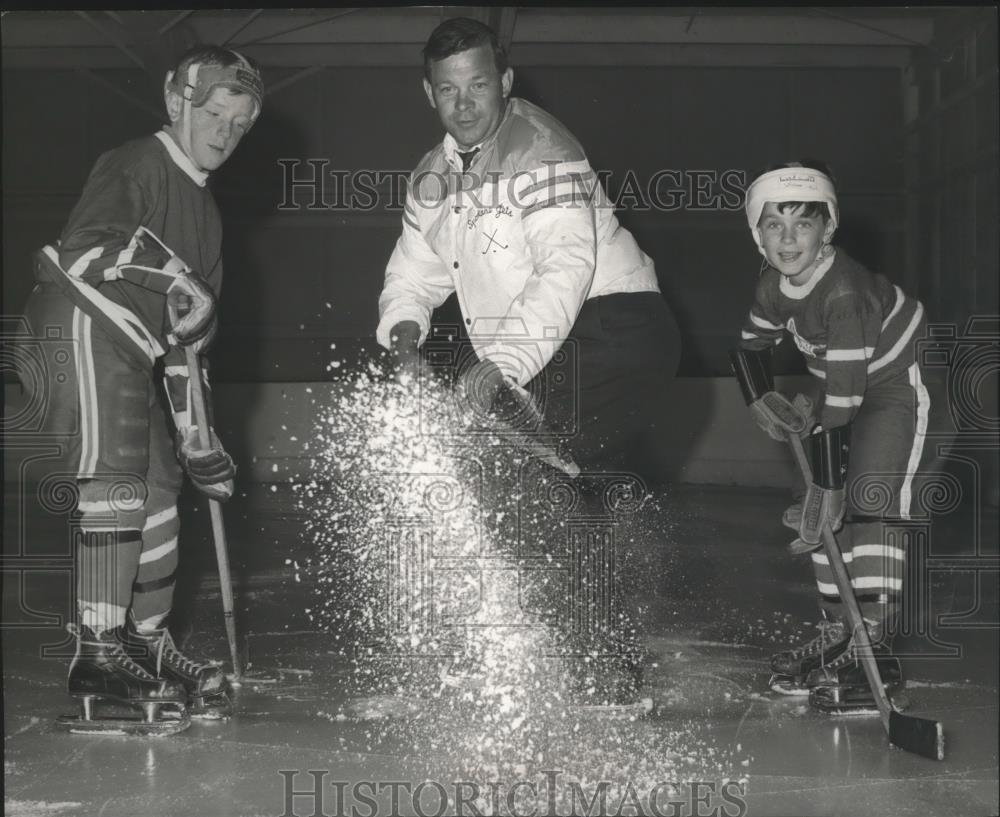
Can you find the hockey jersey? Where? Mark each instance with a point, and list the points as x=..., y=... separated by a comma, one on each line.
x=523, y=237
x=854, y=328
x=144, y=207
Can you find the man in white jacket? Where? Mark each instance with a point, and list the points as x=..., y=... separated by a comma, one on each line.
x=507, y=213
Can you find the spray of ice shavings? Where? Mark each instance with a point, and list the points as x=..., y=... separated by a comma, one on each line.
x=374, y=472
x=490, y=708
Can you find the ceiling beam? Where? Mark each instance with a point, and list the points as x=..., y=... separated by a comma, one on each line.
x=173, y=21
x=113, y=39
x=523, y=55
x=135, y=102
x=242, y=25
x=502, y=20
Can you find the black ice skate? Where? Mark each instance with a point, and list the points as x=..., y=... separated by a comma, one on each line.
x=208, y=691
x=841, y=686
x=137, y=702
x=790, y=668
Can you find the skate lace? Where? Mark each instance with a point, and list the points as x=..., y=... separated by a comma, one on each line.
x=168, y=652
x=116, y=651
x=829, y=633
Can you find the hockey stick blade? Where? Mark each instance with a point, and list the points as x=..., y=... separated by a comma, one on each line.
x=520, y=404
x=921, y=736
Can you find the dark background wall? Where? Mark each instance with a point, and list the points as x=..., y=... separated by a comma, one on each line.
x=301, y=278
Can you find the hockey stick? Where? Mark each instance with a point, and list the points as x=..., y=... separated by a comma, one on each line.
x=214, y=507
x=531, y=442
x=918, y=735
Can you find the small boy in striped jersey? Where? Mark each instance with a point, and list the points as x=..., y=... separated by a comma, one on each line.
x=857, y=332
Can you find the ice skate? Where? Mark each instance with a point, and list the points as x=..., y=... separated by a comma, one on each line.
x=841, y=686
x=790, y=668
x=134, y=701
x=208, y=691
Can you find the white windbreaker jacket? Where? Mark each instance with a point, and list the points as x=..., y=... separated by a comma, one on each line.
x=524, y=237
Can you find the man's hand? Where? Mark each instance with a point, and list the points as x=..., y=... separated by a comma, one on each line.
x=191, y=307
x=404, y=352
x=211, y=471
x=480, y=384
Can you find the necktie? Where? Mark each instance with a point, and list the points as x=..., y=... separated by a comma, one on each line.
x=467, y=158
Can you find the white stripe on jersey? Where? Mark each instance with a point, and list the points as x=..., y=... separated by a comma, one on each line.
x=844, y=402
x=850, y=354
x=121, y=317
x=763, y=324
x=900, y=344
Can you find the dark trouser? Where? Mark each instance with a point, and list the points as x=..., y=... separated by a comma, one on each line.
x=610, y=400
x=615, y=401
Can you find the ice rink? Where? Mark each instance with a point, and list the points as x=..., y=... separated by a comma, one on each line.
x=718, y=595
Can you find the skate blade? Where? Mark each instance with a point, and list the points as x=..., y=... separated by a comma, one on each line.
x=629, y=711
x=787, y=688
x=856, y=709
x=214, y=707
x=211, y=713
x=123, y=727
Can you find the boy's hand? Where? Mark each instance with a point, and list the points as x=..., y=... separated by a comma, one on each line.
x=211, y=471
x=779, y=416
x=191, y=308
x=822, y=506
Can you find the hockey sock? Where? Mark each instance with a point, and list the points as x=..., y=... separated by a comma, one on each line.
x=154, y=584
x=107, y=544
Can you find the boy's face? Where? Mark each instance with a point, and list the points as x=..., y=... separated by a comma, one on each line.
x=469, y=94
x=792, y=241
x=217, y=127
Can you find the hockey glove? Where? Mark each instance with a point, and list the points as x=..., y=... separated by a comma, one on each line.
x=191, y=308
x=772, y=411
x=778, y=416
x=824, y=502
x=404, y=352
x=211, y=471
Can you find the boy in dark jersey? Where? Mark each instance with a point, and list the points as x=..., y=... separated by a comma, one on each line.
x=857, y=332
x=134, y=278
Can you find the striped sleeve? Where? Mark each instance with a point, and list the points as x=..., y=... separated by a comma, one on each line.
x=416, y=279
x=852, y=332
x=105, y=240
x=762, y=328
x=177, y=382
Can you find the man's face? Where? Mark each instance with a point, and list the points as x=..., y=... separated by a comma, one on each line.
x=469, y=94
x=217, y=127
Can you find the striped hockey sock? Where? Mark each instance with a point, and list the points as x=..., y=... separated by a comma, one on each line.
x=154, y=584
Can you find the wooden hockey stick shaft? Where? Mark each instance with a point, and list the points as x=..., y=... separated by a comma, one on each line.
x=920, y=735
x=215, y=509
